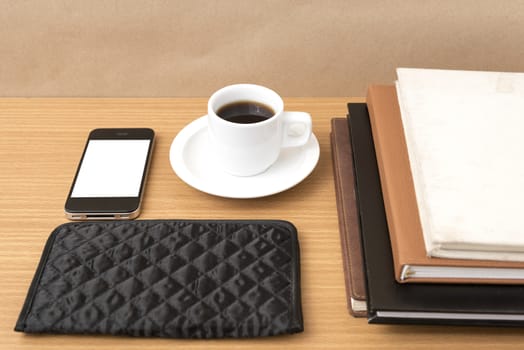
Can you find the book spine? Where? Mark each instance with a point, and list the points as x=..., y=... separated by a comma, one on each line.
x=386, y=188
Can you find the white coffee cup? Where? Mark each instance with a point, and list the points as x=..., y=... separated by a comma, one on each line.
x=246, y=149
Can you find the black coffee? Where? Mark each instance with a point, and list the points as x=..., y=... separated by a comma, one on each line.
x=245, y=112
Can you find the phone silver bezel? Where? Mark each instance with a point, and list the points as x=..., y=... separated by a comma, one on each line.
x=103, y=216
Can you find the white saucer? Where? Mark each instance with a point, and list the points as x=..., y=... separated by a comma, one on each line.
x=190, y=160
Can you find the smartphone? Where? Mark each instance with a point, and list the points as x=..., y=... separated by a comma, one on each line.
x=110, y=179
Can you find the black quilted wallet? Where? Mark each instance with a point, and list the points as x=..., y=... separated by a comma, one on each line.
x=167, y=278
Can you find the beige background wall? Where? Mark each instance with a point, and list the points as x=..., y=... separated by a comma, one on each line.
x=300, y=48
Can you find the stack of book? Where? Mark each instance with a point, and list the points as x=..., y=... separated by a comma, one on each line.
x=429, y=178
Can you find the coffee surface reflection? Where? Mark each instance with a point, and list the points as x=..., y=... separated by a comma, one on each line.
x=245, y=112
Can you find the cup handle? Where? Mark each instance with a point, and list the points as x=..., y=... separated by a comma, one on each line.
x=297, y=129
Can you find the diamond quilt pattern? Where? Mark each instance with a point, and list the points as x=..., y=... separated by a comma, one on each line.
x=167, y=278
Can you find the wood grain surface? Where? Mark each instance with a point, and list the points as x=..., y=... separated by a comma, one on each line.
x=40, y=144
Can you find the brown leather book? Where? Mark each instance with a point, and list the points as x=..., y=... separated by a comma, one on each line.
x=409, y=253
x=348, y=218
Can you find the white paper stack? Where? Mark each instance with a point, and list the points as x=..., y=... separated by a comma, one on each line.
x=465, y=137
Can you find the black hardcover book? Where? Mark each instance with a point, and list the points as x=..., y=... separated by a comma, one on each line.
x=391, y=302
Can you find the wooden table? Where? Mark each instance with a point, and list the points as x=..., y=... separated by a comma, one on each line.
x=40, y=144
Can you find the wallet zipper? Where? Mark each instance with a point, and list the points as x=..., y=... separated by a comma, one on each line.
x=20, y=324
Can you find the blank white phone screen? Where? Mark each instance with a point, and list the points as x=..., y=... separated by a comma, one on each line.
x=111, y=168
